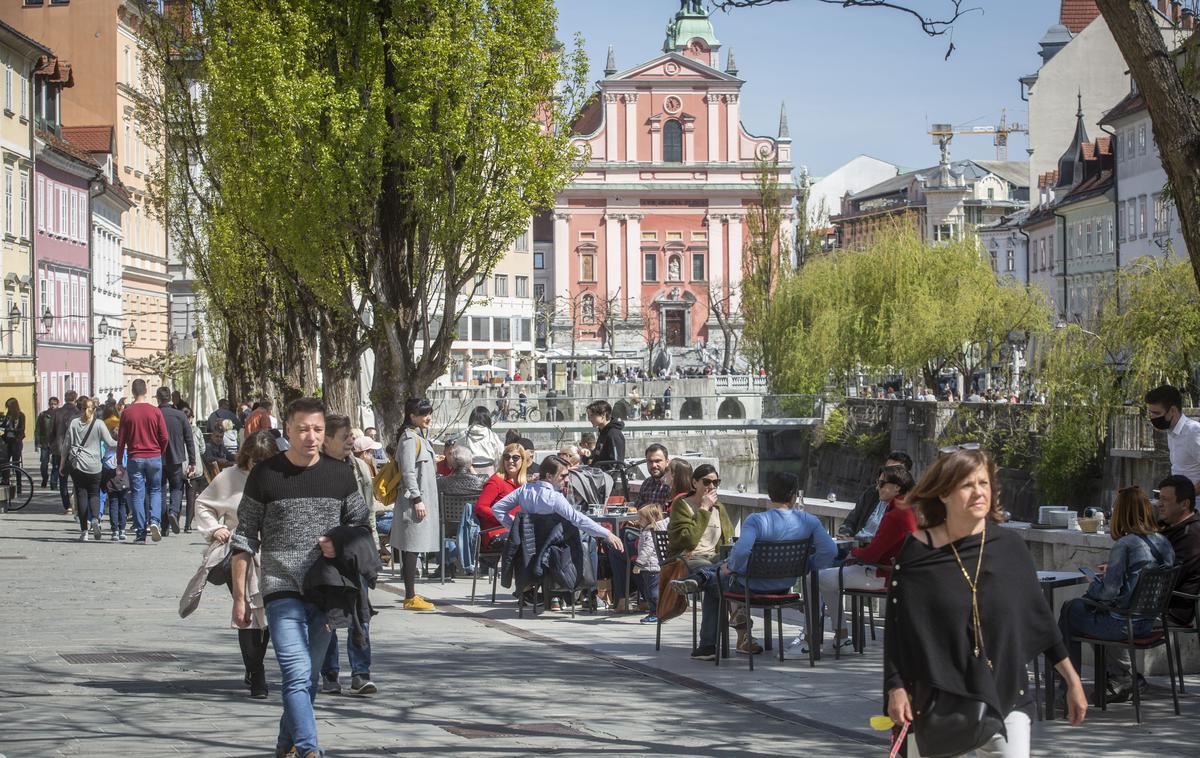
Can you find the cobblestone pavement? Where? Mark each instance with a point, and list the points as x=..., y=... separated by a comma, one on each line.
x=468, y=680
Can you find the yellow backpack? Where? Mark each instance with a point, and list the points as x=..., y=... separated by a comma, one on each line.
x=387, y=483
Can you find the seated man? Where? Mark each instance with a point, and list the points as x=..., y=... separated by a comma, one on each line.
x=780, y=523
x=868, y=512
x=546, y=496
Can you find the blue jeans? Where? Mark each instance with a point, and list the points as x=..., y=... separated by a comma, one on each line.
x=49, y=473
x=649, y=580
x=620, y=562
x=1078, y=618
x=360, y=657
x=300, y=637
x=145, y=475
x=713, y=582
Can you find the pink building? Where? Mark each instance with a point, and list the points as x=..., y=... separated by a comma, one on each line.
x=63, y=175
x=655, y=224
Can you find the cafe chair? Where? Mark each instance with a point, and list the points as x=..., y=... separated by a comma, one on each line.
x=660, y=547
x=490, y=558
x=452, y=507
x=1176, y=630
x=862, y=610
x=1150, y=599
x=770, y=560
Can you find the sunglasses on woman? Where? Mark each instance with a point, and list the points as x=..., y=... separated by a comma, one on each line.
x=711, y=482
x=513, y=458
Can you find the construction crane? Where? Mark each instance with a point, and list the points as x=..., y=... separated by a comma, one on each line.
x=945, y=132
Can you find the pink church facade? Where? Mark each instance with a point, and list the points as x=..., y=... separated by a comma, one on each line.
x=655, y=224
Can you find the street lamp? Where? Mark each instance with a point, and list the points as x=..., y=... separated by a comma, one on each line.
x=103, y=326
x=47, y=318
x=132, y=334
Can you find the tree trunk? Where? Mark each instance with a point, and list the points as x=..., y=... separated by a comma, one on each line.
x=1174, y=112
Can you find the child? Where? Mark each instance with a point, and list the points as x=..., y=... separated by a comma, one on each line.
x=646, y=568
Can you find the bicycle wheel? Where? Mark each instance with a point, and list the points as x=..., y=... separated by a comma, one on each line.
x=18, y=486
x=534, y=415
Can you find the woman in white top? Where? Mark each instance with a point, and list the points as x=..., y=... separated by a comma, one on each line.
x=216, y=518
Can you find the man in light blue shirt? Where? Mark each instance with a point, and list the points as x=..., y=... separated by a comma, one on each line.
x=778, y=524
x=545, y=496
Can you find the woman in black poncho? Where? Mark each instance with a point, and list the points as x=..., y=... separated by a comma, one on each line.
x=965, y=616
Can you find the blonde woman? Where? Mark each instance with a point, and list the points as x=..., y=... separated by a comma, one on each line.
x=216, y=518
x=514, y=472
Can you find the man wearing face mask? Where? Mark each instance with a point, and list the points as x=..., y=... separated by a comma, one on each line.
x=1164, y=406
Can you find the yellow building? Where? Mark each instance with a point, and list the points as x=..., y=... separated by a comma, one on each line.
x=18, y=55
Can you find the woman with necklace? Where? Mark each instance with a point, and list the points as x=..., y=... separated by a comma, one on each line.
x=965, y=617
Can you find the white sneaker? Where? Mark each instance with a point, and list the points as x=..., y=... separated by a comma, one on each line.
x=155, y=532
x=85, y=535
x=96, y=533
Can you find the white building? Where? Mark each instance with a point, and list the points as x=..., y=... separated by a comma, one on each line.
x=826, y=192
x=1006, y=247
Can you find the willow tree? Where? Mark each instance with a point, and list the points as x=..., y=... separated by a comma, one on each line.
x=388, y=152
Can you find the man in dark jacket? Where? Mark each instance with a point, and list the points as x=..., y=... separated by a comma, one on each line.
x=180, y=452
x=869, y=500
x=58, y=440
x=1181, y=525
x=223, y=413
x=42, y=428
x=610, y=440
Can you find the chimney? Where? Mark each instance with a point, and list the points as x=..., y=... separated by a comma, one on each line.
x=1175, y=6
x=1189, y=17
x=1162, y=7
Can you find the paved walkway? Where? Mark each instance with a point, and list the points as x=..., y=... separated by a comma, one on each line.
x=468, y=680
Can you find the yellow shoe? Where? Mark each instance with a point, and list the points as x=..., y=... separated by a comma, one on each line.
x=417, y=603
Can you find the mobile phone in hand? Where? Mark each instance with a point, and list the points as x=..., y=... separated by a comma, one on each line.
x=1090, y=573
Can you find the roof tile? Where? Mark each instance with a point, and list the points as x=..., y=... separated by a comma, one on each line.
x=1077, y=14
x=92, y=139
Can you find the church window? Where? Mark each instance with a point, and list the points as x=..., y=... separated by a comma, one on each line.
x=672, y=142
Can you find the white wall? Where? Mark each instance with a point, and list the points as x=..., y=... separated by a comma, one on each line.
x=1140, y=180
x=854, y=176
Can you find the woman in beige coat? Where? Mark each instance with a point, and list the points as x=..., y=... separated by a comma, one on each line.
x=216, y=518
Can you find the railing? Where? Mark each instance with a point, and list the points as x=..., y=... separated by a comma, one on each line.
x=1129, y=432
x=740, y=382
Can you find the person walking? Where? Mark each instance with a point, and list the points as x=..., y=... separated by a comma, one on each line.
x=289, y=503
x=416, y=525
x=179, y=456
x=196, y=482
x=965, y=616
x=216, y=520
x=13, y=425
x=42, y=426
x=83, y=464
x=58, y=442
x=143, y=435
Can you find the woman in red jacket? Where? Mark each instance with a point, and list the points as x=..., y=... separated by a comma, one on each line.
x=868, y=567
x=512, y=474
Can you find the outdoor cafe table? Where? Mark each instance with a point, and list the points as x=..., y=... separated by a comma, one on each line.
x=615, y=521
x=1050, y=581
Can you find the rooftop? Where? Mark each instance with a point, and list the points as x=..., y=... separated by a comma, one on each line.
x=92, y=139
x=1077, y=14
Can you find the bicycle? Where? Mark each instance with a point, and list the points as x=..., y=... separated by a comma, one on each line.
x=17, y=487
x=530, y=414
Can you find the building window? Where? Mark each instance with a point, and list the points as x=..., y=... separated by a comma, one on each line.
x=674, y=236
x=1162, y=215
x=1089, y=246
x=24, y=207
x=1011, y=262
x=587, y=267
x=1142, y=216
x=1142, y=139
x=8, y=81
x=944, y=232
x=481, y=287
x=8, y=204
x=991, y=193
x=674, y=269
x=1121, y=221
x=697, y=267
x=526, y=329
x=1131, y=214
x=522, y=286
x=588, y=308
x=74, y=216
x=539, y=292
x=1129, y=144
x=672, y=142
x=650, y=267
x=501, y=330
x=521, y=243
x=501, y=285
x=699, y=236
x=1108, y=234
x=539, y=260
x=586, y=236
x=649, y=236
x=39, y=203
x=461, y=329
x=480, y=331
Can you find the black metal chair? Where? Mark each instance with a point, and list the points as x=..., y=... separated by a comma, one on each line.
x=1150, y=599
x=770, y=560
x=1176, y=630
x=492, y=557
x=861, y=609
x=660, y=548
x=452, y=506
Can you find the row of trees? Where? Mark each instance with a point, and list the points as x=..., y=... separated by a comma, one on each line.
x=340, y=175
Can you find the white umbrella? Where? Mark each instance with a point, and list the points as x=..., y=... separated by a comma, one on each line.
x=489, y=370
x=204, y=392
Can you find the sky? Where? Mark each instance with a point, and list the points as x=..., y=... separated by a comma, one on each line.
x=855, y=80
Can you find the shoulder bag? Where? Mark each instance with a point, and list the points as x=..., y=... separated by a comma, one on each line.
x=71, y=459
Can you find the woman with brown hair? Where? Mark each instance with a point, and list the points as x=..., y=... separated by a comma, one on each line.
x=965, y=615
x=679, y=479
x=1136, y=545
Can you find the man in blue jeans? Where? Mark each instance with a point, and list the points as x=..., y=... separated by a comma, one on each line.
x=143, y=435
x=779, y=523
x=289, y=503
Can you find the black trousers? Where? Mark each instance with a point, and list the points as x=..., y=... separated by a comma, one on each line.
x=254, y=643
x=87, y=495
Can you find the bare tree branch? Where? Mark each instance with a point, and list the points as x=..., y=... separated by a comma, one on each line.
x=934, y=27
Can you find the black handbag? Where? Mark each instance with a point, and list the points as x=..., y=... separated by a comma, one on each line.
x=952, y=725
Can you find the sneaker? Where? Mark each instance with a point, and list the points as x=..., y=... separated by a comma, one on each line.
x=1121, y=691
x=840, y=643
x=705, y=652
x=685, y=586
x=749, y=646
x=417, y=603
x=651, y=619
x=139, y=540
x=555, y=604
x=361, y=684
x=85, y=535
x=115, y=536
x=121, y=535
x=173, y=520
x=155, y=531
x=96, y=533
x=258, y=686
x=330, y=684
x=70, y=511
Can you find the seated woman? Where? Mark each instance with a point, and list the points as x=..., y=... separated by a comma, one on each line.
x=678, y=477
x=693, y=534
x=513, y=473
x=1137, y=545
x=868, y=567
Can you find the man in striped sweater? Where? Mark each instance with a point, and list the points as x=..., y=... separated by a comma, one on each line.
x=290, y=502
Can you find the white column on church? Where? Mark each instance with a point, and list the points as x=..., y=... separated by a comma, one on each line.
x=689, y=141
x=731, y=126
x=716, y=248
x=786, y=232
x=610, y=127
x=714, y=128
x=612, y=252
x=633, y=264
x=631, y=134
x=562, y=257
x=734, y=275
